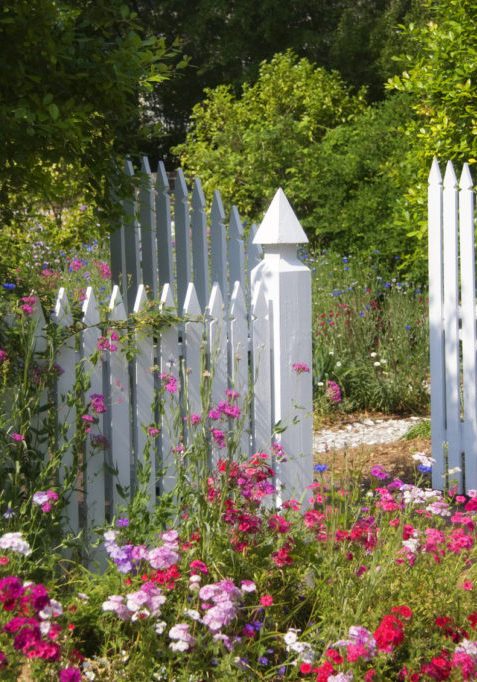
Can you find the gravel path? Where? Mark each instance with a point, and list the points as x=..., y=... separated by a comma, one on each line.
x=368, y=431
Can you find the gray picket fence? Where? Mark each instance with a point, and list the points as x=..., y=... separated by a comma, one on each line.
x=246, y=311
x=452, y=320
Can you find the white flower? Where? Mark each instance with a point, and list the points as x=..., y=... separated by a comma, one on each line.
x=373, y=355
x=338, y=364
x=423, y=459
x=291, y=636
x=160, y=627
x=192, y=613
x=16, y=543
x=180, y=645
x=377, y=364
x=383, y=361
x=455, y=470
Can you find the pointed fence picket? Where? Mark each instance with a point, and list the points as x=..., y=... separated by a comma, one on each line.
x=171, y=426
x=452, y=328
x=67, y=359
x=94, y=483
x=238, y=358
x=120, y=408
x=192, y=349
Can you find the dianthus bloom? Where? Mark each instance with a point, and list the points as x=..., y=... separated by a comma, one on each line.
x=333, y=392
x=389, y=633
x=70, y=675
x=16, y=543
x=300, y=367
x=266, y=600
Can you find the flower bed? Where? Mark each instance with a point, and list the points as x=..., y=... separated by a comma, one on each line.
x=355, y=583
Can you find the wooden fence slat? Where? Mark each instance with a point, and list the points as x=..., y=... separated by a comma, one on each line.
x=436, y=322
x=238, y=364
x=217, y=352
x=254, y=251
x=144, y=362
x=200, y=251
x=38, y=422
x=192, y=349
x=132, y=245
x=171, y=427
x=261, y=372
x=182, y=237
x=469, y=337
x=218, y=245
x=236, y=250
x=451, y=316
x=164, y=230
x=66, y=414
x=120, y=409
x=94, y=465
x=147, y=220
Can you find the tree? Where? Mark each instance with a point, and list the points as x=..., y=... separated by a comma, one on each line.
x=226, y=43
x=439, y=76
x=72, y=76
x=247, y=146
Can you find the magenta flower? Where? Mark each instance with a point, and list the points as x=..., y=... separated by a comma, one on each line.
x=153, y=431
x=3, y=356
x=300, y=367
x=333, y=392
x=17, y=437
x=70, y=675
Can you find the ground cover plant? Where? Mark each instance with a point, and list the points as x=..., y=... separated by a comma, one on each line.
x=370, y=337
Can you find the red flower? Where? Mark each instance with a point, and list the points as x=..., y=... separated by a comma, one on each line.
x=403, y=611
x=306, y=668
x=389, y=633
x=266, y=600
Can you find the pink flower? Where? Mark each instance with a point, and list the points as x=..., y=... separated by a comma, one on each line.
x=266, y=600
x=70, y=675
x=333, y=392
x=104, y=269
x=195, y=419
x=300, y=367
x=219, y=437
x=88, y=418
x=468, y=585
x=17, y=437
x=153, y=431
x=3, y=356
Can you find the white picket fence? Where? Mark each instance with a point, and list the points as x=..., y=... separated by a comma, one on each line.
x=249, y=313
x=452, y=320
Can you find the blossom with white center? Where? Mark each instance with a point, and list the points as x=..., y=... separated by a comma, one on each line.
x=16, y=543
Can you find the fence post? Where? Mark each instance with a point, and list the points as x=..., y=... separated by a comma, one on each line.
x=287, y=288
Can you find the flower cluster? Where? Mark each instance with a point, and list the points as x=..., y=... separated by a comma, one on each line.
x=45, y=500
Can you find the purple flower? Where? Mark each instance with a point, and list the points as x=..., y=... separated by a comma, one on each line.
x=320, y=468
x=378, y=472
x=122, y=522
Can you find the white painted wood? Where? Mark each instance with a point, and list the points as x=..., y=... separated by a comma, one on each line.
x=451, y=327
x=39, y=420
x=217, y=351
x=261, y=372
x=183, y=241
x=236, y=250
x=171, y=427
x=132, y=245
x=469, y=364
x=436, y=325
x=192, y=351
x=120, y=408
x=218, y=245
x=254, y=251
x=144, y=398
x=288, y=289
x=199, y=245
x=163, y=225
x=238, y=365
x=147, y=221
x=66, y=360
x=94, y=464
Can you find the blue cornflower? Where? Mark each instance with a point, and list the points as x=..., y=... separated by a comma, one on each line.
x=9, y=286
x=408, y=327
x=424, y=469
x=387, y=285
x=344, y=259
x=263, y=660
x=336, y=292
x=346, y=268
x=361, y=314
x=320, y=468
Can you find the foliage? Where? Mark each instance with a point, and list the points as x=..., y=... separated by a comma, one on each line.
x=270, y=136
x=226, y=43
x=438, y=74
x=370, y=337
x=73, y=77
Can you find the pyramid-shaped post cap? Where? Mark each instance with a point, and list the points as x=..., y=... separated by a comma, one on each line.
x=280, y=224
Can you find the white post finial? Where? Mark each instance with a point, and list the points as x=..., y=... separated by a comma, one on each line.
x=287, y=286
